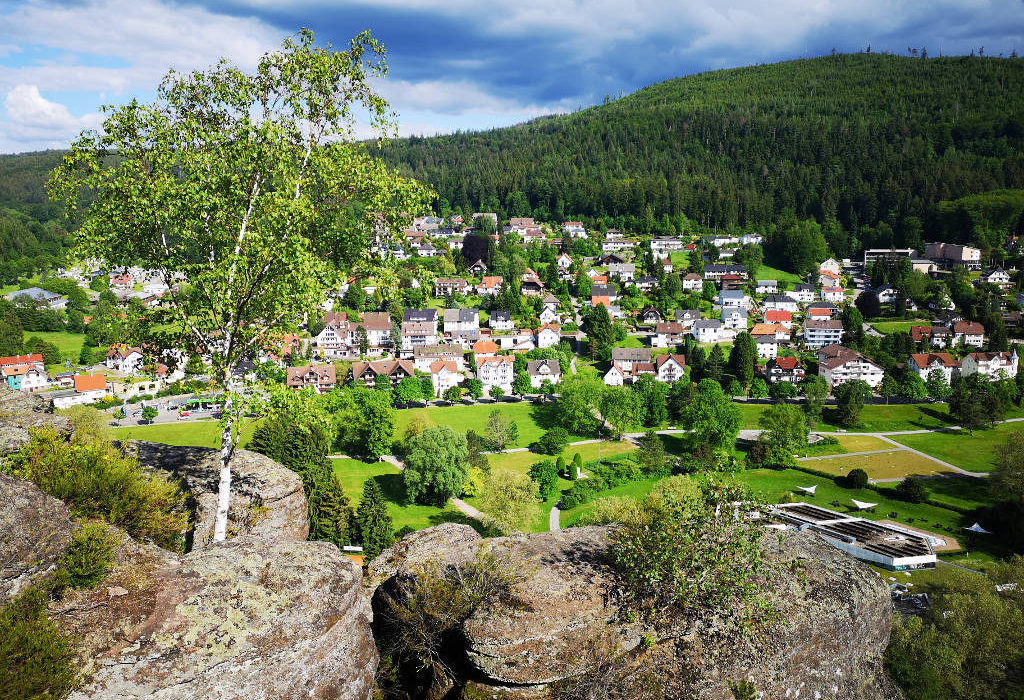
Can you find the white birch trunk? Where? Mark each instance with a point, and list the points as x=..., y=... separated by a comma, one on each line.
x=224, y=491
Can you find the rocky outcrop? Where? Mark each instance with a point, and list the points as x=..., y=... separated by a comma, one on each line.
x=267, y=499
x=34, y=533
x=21, y=412
x=244, y=619
x=568, y=627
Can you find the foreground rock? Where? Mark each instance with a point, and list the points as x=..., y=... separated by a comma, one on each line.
x=21, y=412
x=267, y=500
x=35, y=529
x=567, y=632
x=245, y=619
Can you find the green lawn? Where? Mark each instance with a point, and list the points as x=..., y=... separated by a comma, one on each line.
x=875, y=418
x=353, y=474
x=69, y=344
x=631, y=341
x=888, y=327
x=531, y=419
x=770, y=273
x=974, y=453
x=193, y=433
x=956, y=491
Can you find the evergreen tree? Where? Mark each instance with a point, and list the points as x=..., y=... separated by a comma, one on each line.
x=11, y=335
x=577, y=467
x=743, y=358
x=376, y=530
x=715, y=364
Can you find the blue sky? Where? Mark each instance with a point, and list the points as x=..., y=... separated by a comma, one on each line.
x=454, y=64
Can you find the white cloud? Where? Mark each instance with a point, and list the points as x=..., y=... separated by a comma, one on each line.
x=31, y=118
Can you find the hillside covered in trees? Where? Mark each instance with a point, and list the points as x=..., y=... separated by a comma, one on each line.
x=866, y=145
x=32, y=236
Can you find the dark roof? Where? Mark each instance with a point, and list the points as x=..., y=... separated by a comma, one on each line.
x=420, y=316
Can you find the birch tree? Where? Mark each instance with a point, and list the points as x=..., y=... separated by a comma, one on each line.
x=247, y=192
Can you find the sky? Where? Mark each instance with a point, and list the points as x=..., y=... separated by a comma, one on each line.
x=454, y=64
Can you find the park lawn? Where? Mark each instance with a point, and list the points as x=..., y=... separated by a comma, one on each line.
x=526, y=415
x=680, y=260
x=774, y=484
x=631, y=341
x=847, y=444
x=889, y=327
x=770, y=273
x=882, y=418
x=635, y=490
x=352, y=474
x=69, y=344
x=192, y=433
x=956, y=491
x=883, y=465
x=974, y=453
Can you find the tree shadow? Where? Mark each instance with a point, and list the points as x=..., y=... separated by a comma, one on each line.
x=393, y=488
x=453, y=516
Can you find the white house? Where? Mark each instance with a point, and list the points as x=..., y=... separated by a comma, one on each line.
x=622, y=271
x=500, y=320
x=670, y=368
x=548, y=315
x=733, y=299
x=838, y=364
x=548, y=335
x=989, y=364
x=496, y=371
x=461, y=320
x=708, y=330
x=627, y=357
x=692, y=282
x=661, y=245
x=998, y=277
x=925, y=363
x=543, y=370
x=819, y=333
x=969, y=333
x=444, y=374
x=767, y=346
x=687, y=317
x=778, y=302
x=831, y=265
x=89, y=388
x=767, y=287
x=124, y=359
x=734, y=318
x=833, y=294
x=668, y=333
x=801, y=293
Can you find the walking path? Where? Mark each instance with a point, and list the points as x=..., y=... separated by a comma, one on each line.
x=555, y=519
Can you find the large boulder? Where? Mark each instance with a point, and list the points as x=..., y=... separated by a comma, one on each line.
x=21, y=412
x=244, y=619
x=568, y=625
x=267, y=499
x=35, y=530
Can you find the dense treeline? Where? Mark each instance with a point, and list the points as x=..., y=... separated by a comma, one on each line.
x=32, y=237
x=870, y=142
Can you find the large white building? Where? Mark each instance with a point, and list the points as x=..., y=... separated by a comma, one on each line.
x=839, y=365
x=925, y=363
x=989, y=364
x=819, y=333
x=494, y=371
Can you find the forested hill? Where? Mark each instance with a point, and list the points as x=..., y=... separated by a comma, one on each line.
x=862, y=139
x=31, y=227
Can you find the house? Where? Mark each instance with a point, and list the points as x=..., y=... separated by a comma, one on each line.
x=666, y=266
x=426, y=355
x=886, y=294
x=925, y=363
x=708, y=330
x=548, y=315
x=616, y=244
x=627, y=357
x=321, y=378
x=444, y=374
x=951, y=255
x=801, y=293
x=767, y=287
x=500, y=320
x=494, y=371
x=124, y=359
x=767, y=346
x=27, y=377
x=833, y=294
x=619, y=375
x=779, y=318
x=573, y=228
x=717, y=271
x=564, y=263
x=650, y=315
x=838, y=364
x=941, y=337
x=457, y=321
x=89, y=388
x=478, y=268
x=668, y=334
x=377, y=325
x=779, y=302
x=663, y=244
x=624, y=272
x=416, y=333
x=969, y=333
x=734, y=318
x=784, y=369
x=993, y=365
x=831, y=265
x=41, y=297
x=780, y=333
x=829, y=279
x=550, y=301
x=692, y=282
x=819, y=333
x=541, y=371
x=605, y=290
x=733, y=299
x=394, y=369
x=338, y=339
x=548, y=335
x=531, y=285
x=485, y=348
x=490, y=286
x=687, y=316
x=445, y=287
x=646, y=283
x=34, y=360
x=670, y=368
x=822, y=309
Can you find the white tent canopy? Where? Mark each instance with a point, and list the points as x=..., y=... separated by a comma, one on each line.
x=809, y=489
x=977, y=528
x=863, y=505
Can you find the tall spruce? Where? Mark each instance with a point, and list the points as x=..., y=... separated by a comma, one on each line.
x=376, y=530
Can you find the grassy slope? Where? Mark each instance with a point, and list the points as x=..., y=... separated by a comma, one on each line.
x=196, y=433
x=974, y=453
x=531, y=419
x=69, y=344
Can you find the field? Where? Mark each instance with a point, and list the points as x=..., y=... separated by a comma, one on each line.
x=194, y=433
x=847, y=444
x=69, y=344
x=632, y=341
x=956, y=491
x=889, y=327
x=974, y=453
x=882, y=465
x=770, y=273
x=353, y=474
x=530, y=419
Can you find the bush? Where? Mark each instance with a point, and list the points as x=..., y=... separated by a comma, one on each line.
x=552, y=442
x=36, y=659
x=856, y=479
x=88, y=557
x=911, y=490
x=96, y=481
